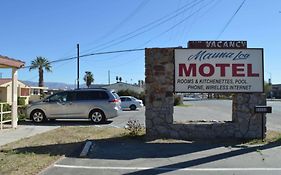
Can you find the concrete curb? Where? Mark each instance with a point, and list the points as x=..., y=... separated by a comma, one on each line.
x=86, y=148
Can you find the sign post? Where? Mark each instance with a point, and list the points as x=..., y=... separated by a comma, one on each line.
x=263, y=110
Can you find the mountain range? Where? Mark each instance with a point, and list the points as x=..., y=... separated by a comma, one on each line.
x=54, y=85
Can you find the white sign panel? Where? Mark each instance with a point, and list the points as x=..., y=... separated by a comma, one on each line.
x=219, y=70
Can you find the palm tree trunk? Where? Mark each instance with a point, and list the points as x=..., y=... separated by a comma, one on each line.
x=41, y=80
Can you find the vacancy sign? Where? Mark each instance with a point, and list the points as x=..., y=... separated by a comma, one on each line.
x=219, y=70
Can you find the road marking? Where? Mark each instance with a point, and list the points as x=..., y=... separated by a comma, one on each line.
x=167, y=169
x=86, y=149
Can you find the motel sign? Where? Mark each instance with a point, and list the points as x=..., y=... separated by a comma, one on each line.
x=219, y=70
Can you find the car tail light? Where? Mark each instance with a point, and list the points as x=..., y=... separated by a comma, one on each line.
x=114, y=100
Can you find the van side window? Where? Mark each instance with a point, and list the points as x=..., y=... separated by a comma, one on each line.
x=101, y=95
x=71, y=96
x=82, y=96
x=92, y=95
x=59, y=97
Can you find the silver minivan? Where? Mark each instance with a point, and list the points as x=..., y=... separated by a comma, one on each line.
x=95, y=104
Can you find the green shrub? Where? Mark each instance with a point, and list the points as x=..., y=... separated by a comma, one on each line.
x=21, y=101
x=21, y=112
x=177, y=100
x=7, y=107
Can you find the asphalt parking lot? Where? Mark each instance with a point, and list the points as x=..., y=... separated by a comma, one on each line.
x=216, y=110
x=111, y=156
x=136, y=157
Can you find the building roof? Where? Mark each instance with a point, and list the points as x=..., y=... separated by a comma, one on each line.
x=7, y=62
x=6, y=80
x=119, y=86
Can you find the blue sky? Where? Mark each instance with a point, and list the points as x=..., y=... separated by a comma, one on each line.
x=52, y=28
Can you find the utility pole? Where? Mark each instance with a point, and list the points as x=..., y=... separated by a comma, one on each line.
x=108, y=77
x=77, y=66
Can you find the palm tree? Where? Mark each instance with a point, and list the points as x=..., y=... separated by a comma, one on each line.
x=41, y=63
x=88, y=78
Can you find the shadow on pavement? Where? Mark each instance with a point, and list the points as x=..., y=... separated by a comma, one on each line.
x=125, y=148
x=65, y=149
x=62, y=123
x=204, y=160
x=129, y=149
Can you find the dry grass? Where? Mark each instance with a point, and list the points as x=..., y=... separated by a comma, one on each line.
x=31, y=155
x=271, y=136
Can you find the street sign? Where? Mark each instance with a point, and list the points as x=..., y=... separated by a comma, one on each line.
x=263, y=109
x=217, y=44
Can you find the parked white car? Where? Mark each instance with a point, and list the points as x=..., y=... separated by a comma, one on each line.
x=129, y=102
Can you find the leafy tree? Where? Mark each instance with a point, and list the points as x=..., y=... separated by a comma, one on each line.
x=88, y=78
x=118, y=79
x=267, y=89
x=41, y=63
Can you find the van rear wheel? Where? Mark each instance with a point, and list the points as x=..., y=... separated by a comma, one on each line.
x=97, y=116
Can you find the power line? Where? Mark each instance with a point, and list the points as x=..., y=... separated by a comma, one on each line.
x=120, y=24
x=53, y=67
x=92, y=54
x=148, y=26
x=199, y=16
x=175, y=25
x=229, y=21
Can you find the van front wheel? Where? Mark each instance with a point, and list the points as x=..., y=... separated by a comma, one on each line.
x=97, y=116
x=37, y=116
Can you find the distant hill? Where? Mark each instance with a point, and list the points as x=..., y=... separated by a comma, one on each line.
x=53, y=85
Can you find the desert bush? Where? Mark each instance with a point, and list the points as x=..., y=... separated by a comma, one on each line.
x=134, y=127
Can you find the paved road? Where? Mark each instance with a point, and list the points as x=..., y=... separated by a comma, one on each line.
x=274, y=119
x=203, y=110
